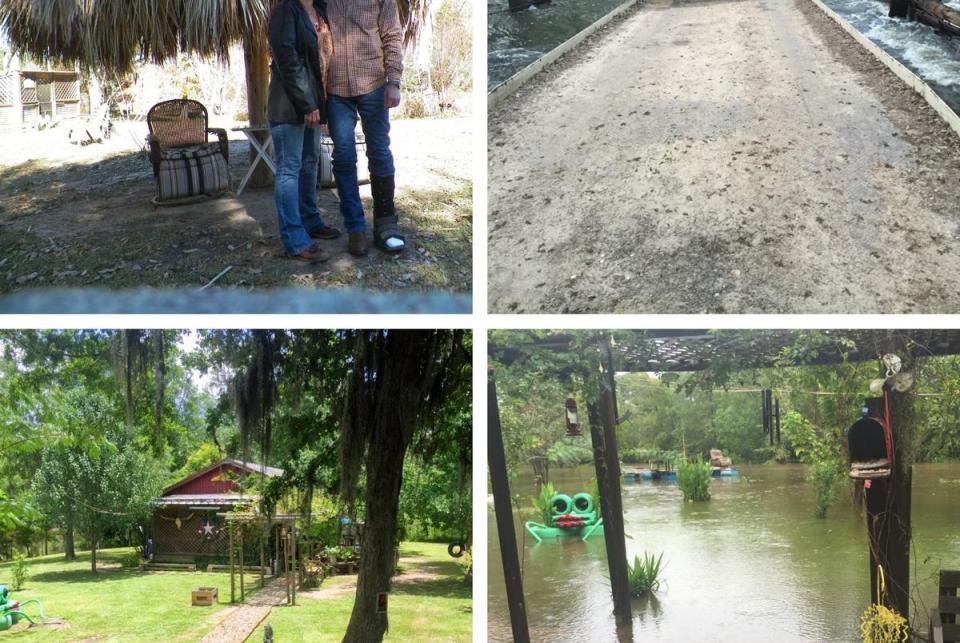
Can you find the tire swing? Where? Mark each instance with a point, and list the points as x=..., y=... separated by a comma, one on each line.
x=458, y=548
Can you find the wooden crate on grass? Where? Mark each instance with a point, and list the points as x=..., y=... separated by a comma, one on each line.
x=204, y=596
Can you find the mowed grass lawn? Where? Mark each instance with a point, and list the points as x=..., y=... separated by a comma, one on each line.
x=117, y=604
x=435, y=607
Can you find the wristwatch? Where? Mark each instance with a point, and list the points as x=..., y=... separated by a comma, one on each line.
x=395, y=83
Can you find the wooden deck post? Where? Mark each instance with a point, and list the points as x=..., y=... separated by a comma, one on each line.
x=504, y=513
x=602, y=416
x=899, y=9
x=296, y=566
x=240, y=533
x=256, y=61
x=888, y=500
x=232, y=588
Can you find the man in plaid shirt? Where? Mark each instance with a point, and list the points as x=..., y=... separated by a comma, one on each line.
x=364, y=82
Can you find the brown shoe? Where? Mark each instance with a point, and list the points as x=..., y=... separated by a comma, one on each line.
x=326, y=233
x=313, y=254
x=357, y=244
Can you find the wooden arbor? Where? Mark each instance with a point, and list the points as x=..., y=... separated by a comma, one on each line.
x=282, y=529
x=887, y=499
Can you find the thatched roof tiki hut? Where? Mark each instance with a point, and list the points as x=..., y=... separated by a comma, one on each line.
x=110, y=35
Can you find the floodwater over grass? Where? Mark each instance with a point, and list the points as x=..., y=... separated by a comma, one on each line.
x=753, y=564
x=516, y=39
x=933, y=56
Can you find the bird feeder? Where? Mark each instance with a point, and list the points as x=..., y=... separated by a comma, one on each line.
x=870, y=441
x=573, y=422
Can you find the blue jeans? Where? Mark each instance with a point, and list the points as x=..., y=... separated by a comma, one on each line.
x=297, y=151
x=375, y=121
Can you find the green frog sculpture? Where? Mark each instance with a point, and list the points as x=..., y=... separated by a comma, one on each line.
x=575, y=516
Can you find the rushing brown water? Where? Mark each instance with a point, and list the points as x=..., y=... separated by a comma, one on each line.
x=753, y=564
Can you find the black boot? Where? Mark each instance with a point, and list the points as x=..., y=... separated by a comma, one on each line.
x=385, y=222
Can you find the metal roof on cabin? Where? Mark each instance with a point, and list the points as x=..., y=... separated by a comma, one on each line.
x=253, y=467
x=211, y=499
x=249, y=467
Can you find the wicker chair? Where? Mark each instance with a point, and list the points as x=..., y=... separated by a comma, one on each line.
x=180, y=123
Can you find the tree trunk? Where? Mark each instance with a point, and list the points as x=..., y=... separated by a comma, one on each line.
x=93, y=555
x=888, y=500
x=256, y=61
x=403, y=361
x=68, y=546
x=384, y=475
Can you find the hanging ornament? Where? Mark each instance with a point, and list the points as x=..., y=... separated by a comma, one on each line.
x=208, y=530
x=893, y=364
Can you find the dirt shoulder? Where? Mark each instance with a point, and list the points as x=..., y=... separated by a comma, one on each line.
x=723, y=157
x=82, y=216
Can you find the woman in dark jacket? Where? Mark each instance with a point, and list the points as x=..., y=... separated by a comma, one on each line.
x=301, y=46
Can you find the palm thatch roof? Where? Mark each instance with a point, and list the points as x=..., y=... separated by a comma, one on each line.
x=111, y=35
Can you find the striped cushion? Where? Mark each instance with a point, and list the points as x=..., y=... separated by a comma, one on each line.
x=326, y=161
x=191, y=171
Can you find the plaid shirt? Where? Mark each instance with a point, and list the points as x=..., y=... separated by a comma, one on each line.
x=367, y=46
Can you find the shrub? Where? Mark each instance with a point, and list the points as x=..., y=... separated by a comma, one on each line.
x=693, y=478
x=825, y=476
x=569, y=453
x=19, y=571
x=130, y=560
x=542, y=504
x=644, y=575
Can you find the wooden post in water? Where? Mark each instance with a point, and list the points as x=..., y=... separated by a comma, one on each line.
x=503, y=510
x=888, y=500
x=899, y=8
x=602, y=417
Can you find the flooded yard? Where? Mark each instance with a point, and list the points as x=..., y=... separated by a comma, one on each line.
x=753, y=564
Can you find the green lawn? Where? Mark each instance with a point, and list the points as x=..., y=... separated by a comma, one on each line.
x=116, y=604
x=129, y=605
x=435, y=609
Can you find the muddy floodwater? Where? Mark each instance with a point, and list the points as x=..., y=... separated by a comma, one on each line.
x=753, y=564
x=515, y=40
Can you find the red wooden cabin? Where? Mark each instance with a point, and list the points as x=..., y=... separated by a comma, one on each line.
x=185, y=522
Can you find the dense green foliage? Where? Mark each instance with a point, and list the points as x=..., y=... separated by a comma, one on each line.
x=644, y=574
x=719, y=407
x=543, y=503
x=693, y=478
x=93, y=424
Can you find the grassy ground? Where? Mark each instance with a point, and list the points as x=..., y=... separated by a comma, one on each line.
x=429, y=602
x=117, y=604
x=73, y=217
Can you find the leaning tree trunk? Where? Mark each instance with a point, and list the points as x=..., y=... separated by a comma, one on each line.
x=405, y=365
x=384, y=475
